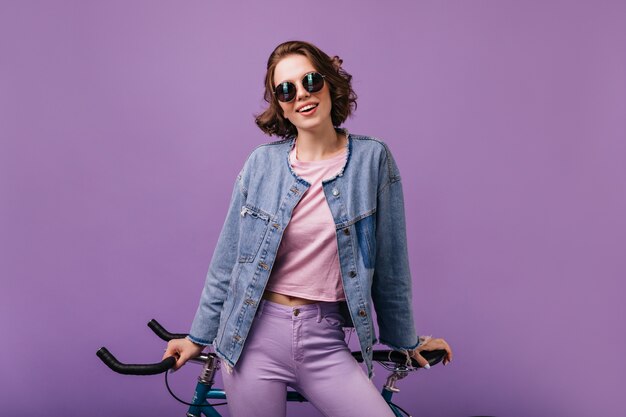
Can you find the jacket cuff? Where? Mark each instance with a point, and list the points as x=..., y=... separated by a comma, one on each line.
x=400, y=348
x=198, y=341
x=423, y=340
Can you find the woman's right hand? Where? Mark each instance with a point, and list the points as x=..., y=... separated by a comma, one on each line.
x=182, y=350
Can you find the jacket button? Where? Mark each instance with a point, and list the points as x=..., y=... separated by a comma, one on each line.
x=367, y=349
x=276, y=225
x=250, y=301
x=352, y=274
x=362, y=313
x=237, y=338
x=346, y=231
x=335, y=192
x=264, y=265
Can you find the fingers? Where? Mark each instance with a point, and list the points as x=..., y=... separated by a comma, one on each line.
x=449, y=356
x=445, y=346
x=181, y=359
x=420, y=359
x=182, y=350
x=438, y=344
x=173, y=349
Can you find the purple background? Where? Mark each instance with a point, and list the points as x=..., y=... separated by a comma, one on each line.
x=124, y=123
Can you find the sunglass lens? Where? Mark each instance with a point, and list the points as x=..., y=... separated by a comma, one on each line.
x=285, y=92
x=313, y=82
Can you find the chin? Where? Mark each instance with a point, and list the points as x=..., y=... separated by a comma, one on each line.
x=317, y=121
x=309, y=125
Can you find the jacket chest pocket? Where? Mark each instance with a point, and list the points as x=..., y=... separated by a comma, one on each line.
x=254, y=225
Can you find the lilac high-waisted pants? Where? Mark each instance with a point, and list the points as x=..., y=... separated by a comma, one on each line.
x=302, y=347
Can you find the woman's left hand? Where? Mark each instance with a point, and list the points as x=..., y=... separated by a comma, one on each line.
x=431, y=344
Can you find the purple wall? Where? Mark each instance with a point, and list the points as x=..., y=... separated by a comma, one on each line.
x=124, y=123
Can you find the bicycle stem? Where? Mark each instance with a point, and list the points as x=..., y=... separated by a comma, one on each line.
x=210, y=365
x=396, y=375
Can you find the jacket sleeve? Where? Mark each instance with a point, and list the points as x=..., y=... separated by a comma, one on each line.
x=391, y=286
x=206, y=322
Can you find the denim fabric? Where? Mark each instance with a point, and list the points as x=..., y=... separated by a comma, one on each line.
x=366, y=202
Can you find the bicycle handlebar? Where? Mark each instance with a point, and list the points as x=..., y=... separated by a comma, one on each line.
x=433, y=357
x=162, y=333
x=135, y=369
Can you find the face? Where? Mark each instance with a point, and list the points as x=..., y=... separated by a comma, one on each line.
x=293, y=68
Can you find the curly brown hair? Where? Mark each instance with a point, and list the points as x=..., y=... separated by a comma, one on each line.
x=343, y=97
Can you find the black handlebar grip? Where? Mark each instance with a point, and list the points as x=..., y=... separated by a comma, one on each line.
x=135, y=369
x=162, y=333
x=432, y=356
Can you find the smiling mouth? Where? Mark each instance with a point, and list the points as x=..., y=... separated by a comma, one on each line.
x=307, y=109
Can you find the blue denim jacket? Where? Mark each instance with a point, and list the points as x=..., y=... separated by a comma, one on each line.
x=366, y=202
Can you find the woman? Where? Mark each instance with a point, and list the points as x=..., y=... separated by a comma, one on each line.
x=314, y=236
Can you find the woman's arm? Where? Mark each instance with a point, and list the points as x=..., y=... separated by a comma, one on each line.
x=206, y=322
x=391, y=286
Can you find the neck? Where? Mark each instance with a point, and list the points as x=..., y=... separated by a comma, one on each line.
x=321, y=143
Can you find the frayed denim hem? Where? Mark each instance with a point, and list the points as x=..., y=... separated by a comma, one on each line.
x=228, y=364
x=399, y=348
x=405, y=350
x=198, y=341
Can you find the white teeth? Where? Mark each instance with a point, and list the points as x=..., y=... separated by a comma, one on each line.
x=305, y=108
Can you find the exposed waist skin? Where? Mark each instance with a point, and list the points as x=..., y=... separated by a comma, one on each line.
x=287, y=300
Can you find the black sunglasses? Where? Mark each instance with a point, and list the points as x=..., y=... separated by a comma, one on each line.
x=286, y=91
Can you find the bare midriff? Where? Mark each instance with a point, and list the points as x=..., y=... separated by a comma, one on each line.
x=287, y=300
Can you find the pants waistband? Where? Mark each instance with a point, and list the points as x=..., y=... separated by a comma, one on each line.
x=303, y=311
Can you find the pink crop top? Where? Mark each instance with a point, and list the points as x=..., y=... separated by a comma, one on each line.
x=307, y=261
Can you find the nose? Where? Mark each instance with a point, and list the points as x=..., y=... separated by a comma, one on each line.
x=301, y=92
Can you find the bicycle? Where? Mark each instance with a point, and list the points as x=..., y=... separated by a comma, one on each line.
x=393, y=361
